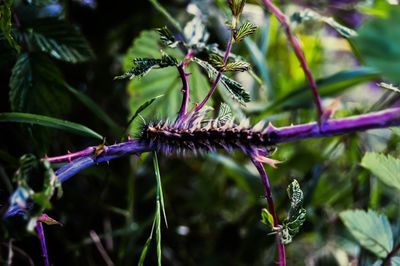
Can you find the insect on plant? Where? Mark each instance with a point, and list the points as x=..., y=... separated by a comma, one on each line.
x=197, y=131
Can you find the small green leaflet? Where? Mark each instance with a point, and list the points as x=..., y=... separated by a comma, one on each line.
x=244, y=30
x=166, y=37
x=267, y=218
x=49, y=122
x=371, y=230
x=142, y=66
x=224, y=114
x=234, y=87
x=385, y=167
x=5, y=23
x=236, y=66
x=236, y=6
x=297, y=213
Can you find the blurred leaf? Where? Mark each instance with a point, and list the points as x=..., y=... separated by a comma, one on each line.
x=377, y=43
x=164, y=12
x=195, y=32
x=370, y=229
x=49, y=122
x=236, y=6
x=297, y=214
x=36, y=86
x=60, y=40
x=166, y=81
x=235, y=88
x=386, y=168
x=5, y=23
x=94, y=108
x=308, y=14
x=244, y=30
x=329, y=86
x=396, y=130
x=142, y=108
x=387, y=86
x=142, y=66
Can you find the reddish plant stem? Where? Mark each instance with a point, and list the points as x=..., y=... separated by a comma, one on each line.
x=218, y=77
x=185, y=85
x=271, y=209
x=299, y=53
x=386, y=261
x=71, y=156
x=40, y=231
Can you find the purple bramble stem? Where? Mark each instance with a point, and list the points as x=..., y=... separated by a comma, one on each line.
x=271, y=209
x=299, y=53
x=40, y=231
x=331, y=127
x=387, y=260
x=218, y=77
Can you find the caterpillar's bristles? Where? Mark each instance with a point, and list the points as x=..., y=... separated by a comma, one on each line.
x=196, y=135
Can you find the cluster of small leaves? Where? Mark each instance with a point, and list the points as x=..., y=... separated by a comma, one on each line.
x=236, y=7
x=234, y=87
x=246, y=29
x=296, y=215
x=142, y=66
x=32, y=171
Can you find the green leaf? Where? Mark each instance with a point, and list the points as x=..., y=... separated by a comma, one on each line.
x=377, y=43
x=5, y=23
x=236, y=6
x=297, y=214
x=142, y=66
x=386, y=168
x=244, y=30
x=165, y=81
x=235, y=88
x=142, y=108
x=49, y=122
x=396, y=130
x=224, y=114
x=60, y=40
x=160, y=195
x=328, y=86
x=145, y=249
x=166, y=37
x=307, y=15
x=237, y=66
x=267, y=218
x=370, y=229
x=36, y=84
x=94, y=108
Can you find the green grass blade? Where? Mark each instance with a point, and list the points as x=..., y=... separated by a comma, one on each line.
x=145, y=249
x=159, y=191
x=165, y=13
x=94, y=108
x=47, y=121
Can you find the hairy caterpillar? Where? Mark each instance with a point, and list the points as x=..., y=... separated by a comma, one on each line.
x=196, y=135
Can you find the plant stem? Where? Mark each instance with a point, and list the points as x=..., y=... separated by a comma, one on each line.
x=40, y=231
x=332, y=127
x=71, y=156
x=389, y=256
x=185, y=85
x=299, y=53
x=271, y=209
x=219, y=75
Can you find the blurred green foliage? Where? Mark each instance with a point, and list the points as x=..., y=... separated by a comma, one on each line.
x=70, y=52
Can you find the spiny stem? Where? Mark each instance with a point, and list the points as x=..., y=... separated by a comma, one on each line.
x=299, y=53
x=271, y=209
x=40, y=231
x=71, y=156
x=219, y=75
x=332, y=127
